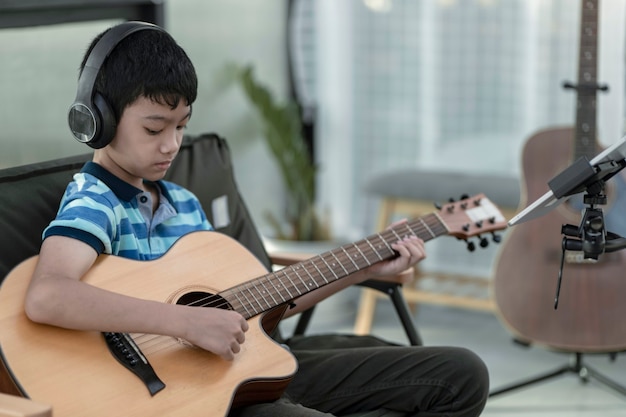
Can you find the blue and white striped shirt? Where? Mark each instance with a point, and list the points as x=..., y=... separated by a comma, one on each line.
x=116, y=218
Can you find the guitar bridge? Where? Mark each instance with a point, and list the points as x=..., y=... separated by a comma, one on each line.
x=126, y=351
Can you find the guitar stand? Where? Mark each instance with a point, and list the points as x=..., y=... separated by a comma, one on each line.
x=577, y=366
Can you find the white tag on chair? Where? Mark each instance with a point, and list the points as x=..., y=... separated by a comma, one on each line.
x=219, y=206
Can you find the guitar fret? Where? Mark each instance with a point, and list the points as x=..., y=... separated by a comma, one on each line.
x=265, y=290
x=362, y=260
x=329, y=267
x=344, y=259
x=441, y=225
x=310, y=276
x=366, y=252
x=385, y=242
x=307, y=286
x=339, y=262
x=424, y=229
x=317, y=269
x=291, y=297
x=411, y=231
x=243, y=306
x=397, y=235
x=236, y=304
x=249, y=298
x=362, y=254
x=285, y=272
x=350, y=257
x=275, y=288
x=300, y=278
x=432, y=234
x=374, y=249
x=256, y=297
x=248, y=301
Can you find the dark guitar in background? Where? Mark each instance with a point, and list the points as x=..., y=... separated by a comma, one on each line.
x=591, y=303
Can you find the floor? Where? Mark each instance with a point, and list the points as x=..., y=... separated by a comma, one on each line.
x=563, y=396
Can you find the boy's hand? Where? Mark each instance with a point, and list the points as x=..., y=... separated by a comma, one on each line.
x=216, y=330
x=411, y=251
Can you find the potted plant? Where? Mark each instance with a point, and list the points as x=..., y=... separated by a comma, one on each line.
x=282, y=130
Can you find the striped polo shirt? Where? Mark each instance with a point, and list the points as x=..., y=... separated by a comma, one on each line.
x=116, y=218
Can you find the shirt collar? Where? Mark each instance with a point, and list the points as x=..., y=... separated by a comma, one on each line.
x=121, y=188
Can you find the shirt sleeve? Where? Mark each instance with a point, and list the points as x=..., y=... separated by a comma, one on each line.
x=87, y=214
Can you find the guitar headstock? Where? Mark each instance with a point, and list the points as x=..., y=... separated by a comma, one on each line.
x=472, y=216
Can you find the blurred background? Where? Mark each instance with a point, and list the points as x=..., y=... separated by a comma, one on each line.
x=451, y=85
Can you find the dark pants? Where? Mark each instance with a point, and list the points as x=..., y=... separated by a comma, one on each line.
x=343, y=375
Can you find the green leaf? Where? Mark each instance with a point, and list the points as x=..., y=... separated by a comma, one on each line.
x=282, y=130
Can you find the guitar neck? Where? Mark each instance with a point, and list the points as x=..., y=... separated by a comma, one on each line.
x=585, y=139
x=279, y=287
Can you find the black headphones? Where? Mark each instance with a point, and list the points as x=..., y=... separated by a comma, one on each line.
x=90, y=117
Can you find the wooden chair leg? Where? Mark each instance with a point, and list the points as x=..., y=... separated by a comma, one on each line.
x=365, y=311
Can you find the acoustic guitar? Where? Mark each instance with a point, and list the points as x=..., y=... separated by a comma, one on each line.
x=78, y=375
x=592, y=294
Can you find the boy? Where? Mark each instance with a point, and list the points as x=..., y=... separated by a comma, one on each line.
x=134, y=100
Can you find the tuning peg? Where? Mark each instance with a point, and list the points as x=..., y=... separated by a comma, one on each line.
x=496, y=237
x=464, y=196
x=471, y=246
x=438, y=206
x=484, y=242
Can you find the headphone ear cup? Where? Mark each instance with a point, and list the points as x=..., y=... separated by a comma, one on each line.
x=106, y=124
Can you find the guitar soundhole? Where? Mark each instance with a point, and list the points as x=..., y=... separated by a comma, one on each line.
x=203, y=299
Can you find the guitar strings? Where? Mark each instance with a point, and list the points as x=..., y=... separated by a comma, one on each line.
x=363, y=254
x=358, y=255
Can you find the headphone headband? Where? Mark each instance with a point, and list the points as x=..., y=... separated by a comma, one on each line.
x=90, y=117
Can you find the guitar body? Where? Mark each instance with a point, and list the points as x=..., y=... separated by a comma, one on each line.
x=592, y=294
x=75, y=373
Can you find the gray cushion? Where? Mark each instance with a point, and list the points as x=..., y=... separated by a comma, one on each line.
x=439, y=186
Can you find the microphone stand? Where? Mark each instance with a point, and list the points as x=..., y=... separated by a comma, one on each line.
x=590, y=237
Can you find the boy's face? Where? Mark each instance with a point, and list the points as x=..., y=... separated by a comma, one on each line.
x=147, y=139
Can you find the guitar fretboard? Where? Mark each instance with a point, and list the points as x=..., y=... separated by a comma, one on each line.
x=587, y=82
x=279, y=287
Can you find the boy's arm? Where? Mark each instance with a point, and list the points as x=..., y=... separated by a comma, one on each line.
x=57, y=296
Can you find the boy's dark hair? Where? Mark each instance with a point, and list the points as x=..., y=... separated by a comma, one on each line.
x=147, y=63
